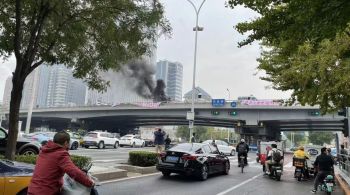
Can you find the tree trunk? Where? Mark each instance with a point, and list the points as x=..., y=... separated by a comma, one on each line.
x=16, y=97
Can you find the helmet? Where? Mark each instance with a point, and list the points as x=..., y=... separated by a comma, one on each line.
x=242, y=140
x=301, y=148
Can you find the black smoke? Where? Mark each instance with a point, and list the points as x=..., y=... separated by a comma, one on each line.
x=144, y=83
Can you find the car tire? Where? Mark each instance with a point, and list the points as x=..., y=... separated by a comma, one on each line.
x=226, y=168
x=166, y=173
x=86, y=146
x=233, y=153
x=143, y=145
x=121, y=146
x=203, y=174
x=29, y=151
x=116, y=145
x=75, y=146
x=101, y=145
x=133, y=145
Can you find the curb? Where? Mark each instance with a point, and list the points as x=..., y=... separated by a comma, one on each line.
x=342, y=183
x=103, y=176
x=137, y=169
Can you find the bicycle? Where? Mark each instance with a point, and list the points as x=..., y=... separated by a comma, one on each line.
x=241, y=163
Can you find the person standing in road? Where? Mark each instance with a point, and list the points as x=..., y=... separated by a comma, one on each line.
x=242, y=149
x=343, y=155
x=159, y=140
x=167, y=142
x=52, y=163
x=325, y=164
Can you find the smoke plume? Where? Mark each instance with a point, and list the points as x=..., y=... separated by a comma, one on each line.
x=159, y=92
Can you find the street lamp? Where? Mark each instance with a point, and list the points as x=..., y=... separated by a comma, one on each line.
x=196, y=29
x=229, y=94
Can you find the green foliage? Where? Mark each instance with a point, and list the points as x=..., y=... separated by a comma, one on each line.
x=306, y=48
x=204, y=133
x=79, y=161
x=299, y=138
x=320, y=138
x=143, y=158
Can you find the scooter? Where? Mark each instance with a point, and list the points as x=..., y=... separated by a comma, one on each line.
x=72, y=187
x=275, y=171
x=327, y=185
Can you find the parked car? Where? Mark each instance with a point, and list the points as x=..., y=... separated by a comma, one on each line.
x=131, y=140
x=23, y=147
x=198, y=159
x=14, y=177
x=149, y=143
x=100, y=139
x=313, y=151
x=44, y=137
x=223, y=147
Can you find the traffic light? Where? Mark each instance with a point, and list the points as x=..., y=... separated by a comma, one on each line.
x=233, y=113
x=346, y=127
x=215, y=112
x=315, y=113
x=342, y=112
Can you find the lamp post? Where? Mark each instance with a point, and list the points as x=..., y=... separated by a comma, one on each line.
x=196, y=29
x=229, y=94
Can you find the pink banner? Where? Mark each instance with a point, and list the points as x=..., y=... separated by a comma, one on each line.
x=260, y=103
x=147, y=104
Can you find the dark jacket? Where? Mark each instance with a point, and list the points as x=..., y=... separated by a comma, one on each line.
x=246, y=147
x=52, y=163
x=167, y=141
x=324, y=162
x=159, y=137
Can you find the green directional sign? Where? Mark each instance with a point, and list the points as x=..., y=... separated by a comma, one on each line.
x=215, y=112
x=233, y=113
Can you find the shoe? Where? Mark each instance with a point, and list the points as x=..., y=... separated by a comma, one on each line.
x=313, y=191
x=267, y=172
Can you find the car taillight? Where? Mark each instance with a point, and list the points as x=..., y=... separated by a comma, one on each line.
x=162, y=155
x=188, y=157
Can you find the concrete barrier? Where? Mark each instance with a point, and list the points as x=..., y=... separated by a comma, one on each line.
x=109, y=175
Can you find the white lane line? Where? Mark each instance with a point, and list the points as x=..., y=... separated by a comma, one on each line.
x=239, y=185
x=127, y=178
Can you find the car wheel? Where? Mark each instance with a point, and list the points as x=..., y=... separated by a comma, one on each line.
x=233, y=153
x=28, y=151
x=166, y=173
x=204, y=172
x=133, y=145
x=116, y=145
x=75, y=146
x=121, y=146
x=101, y=145
x=226, y=168
x=143, y=145
x=86, y=146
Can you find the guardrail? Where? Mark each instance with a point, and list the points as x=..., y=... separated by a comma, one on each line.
x=344, y=164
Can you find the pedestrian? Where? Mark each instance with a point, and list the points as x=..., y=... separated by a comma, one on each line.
x=193, y=138
x=167, y=142
x=159, y=140
x=343, y=155
x=52, y=163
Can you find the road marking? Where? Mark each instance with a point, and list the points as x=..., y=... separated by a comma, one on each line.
x=239, y=185
x=108, y=160
x=127, y=178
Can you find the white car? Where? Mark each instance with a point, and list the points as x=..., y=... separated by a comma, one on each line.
x=100, y=139
x=131, y=140
x=223, y=147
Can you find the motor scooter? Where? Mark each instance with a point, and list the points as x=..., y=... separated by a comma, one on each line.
x=276, y=171
x=327, y=185
x=72, y=187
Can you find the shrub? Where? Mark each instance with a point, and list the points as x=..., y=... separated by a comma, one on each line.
x=143, y=158
x=79, y=161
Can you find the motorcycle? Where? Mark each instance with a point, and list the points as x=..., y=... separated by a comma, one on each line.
x=72, y=187
x=300, y=168
x=327, y=185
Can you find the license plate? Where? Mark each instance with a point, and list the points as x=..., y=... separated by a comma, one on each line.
x=330, y=184
x=278, y=171
x=172, y=159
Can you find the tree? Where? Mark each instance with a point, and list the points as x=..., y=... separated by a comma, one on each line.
x=88, y=36
x=318, y=138
x=299, y=137
x=201, y=132
x=306, y=48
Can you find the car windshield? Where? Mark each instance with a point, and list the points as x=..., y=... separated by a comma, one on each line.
x=94, y=135
x=186, y=147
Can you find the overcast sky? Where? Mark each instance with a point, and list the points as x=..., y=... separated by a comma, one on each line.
x=221, y=65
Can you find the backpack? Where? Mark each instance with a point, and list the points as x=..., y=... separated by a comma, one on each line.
x=242, y=148
x=276, y=156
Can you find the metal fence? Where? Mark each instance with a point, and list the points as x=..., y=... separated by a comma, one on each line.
x=344, y=163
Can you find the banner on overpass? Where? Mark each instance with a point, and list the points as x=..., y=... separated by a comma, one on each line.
x=260, y=102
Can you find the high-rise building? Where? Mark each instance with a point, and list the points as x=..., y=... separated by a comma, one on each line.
x=172, y=74
x=63, y=89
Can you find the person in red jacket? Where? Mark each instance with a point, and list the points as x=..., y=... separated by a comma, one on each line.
x=52, y=163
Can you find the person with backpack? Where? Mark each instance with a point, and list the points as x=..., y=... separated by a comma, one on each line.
x=242, y=149
x=275, y=156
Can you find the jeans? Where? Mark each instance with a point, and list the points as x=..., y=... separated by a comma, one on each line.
x=320, y=177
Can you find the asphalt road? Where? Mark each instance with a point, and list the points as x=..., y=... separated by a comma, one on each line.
x=251, y=182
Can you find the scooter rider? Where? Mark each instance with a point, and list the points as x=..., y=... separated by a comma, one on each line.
x=301, y=154
x=325, y=165
x=271, y=159
x=242, y=149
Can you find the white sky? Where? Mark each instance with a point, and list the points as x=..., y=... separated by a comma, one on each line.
x=221, y=64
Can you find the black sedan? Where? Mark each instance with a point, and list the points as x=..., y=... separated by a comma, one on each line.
x=193, y=159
